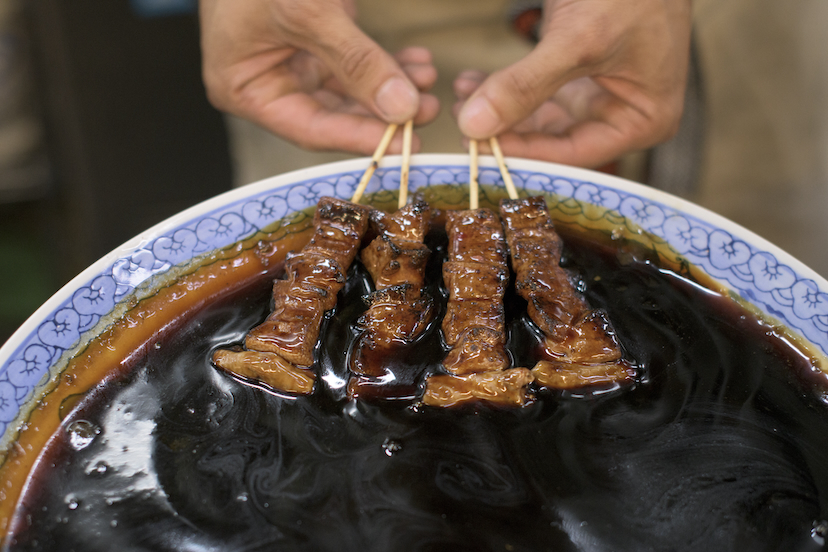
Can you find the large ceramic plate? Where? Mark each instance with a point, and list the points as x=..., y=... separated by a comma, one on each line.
x=759, y=273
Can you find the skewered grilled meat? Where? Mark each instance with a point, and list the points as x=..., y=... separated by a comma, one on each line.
x=398, y=310
x=268, y=368
x=279, y=352
x=580, y=342
x=506, y=388
x=476, y=276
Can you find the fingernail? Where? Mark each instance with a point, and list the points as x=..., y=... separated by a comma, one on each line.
x=478, y=119
x=397, y=100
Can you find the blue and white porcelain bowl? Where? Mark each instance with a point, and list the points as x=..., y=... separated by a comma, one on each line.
x=761, y=275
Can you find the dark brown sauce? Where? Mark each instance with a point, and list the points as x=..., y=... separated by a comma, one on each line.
x=720, y=445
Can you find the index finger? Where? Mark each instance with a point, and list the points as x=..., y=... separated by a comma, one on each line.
x=365, y=70
x=513, y=93
x=304, y=121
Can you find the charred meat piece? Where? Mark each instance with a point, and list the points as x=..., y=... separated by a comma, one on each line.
x=313, y=277
x=578, y=340
x=476, y=292
x=500, y=387
x=476, y=236
x=267, y=368
x=572, y=375
x=590, y=340
x=391, y=263
x=291, y=329
x=409, y=224
x=340, y=226
x=398, y=311
x=396, y=316
x=479, y=349
x=476, y=276
x=462, y=316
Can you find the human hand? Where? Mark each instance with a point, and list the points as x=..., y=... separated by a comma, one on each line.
x=305, y=71
x=607, y=77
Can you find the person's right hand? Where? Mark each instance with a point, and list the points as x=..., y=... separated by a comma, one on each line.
x=303, y=70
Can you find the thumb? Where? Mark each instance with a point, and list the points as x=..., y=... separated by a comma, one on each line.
x=510, y=95
x=366, y=72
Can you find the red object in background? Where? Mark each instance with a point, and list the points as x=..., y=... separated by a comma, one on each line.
x=612, y=168
x=527, y=22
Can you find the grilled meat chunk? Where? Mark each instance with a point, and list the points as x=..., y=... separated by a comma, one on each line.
x=269, y=369
x=476, y=276
x=578, y=340
x=398, y=311
x=504, y=388
x=409, y=224
x=313, y=278
x=396, y=316
x=573, y=375
x=391, y=263
x=476, y=236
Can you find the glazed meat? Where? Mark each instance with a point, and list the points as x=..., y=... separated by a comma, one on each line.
x=284, y=343
x=391, y=262
x=580, y=342
x=398, y=311
x=476, y=276
x=268, y=368
x=504, y=388
x=396, y=316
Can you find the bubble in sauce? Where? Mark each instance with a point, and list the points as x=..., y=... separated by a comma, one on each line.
x=820, y=532
x=82, y=433
x=392, y=446
x=99, y=468
x=71, y=501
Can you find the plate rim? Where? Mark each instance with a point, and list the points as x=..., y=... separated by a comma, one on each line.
x=236, y=196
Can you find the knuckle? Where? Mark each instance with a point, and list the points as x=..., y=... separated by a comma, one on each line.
x=669, y=117
x=671, y=127
x=356, y=60
x=660, y=124
x=592, y=40
x=215, y=90
x=593, y=46
x=216, y=100
x=305, y=20
x=524, y=88
x=230, y=95
x=306, y=144
x=301, y=16
x=669, y=130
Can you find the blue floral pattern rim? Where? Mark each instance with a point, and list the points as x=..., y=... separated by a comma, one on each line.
x=763, y=275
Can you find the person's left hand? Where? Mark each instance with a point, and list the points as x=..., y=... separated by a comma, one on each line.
x=606, y=78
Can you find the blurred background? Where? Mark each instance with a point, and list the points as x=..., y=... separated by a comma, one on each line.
x=105, y=129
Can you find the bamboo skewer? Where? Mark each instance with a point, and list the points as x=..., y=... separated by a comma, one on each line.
x=369, y=172
x=504, y=171
x=406, y=164
x=473, y=175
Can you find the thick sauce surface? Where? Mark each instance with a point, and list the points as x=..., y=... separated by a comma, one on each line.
x=721, y=445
